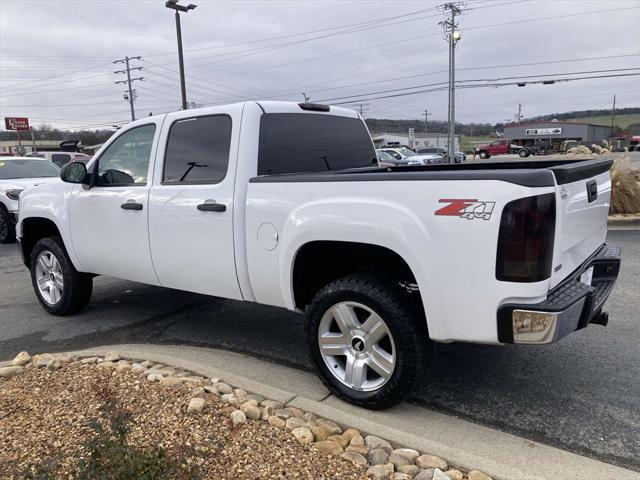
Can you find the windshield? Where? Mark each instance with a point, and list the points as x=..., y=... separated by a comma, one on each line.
x=384, y=156
x=10, y=169
x=407, y=153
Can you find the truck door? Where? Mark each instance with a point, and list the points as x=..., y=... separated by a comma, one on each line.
x=191, y=203
x=109, y=229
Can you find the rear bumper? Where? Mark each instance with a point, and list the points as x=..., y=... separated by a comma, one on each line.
x=570, y=306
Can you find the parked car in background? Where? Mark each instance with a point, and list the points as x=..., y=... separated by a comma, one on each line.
x=504, y=147
x=387, y=160
x=17, y=174
x=412, y=158
x=61, y=158
x=459, y=156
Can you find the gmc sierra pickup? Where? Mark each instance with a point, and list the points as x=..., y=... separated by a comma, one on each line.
x=285, y=204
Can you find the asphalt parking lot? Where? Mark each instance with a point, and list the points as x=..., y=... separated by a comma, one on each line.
x=581, y=394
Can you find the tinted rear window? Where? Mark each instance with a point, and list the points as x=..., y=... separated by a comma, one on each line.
x=302, y=142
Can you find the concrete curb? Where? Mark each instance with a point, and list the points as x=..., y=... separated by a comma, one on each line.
x=624, y=222
x=462, y=443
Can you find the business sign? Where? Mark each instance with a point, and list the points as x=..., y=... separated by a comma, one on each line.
x=16, y=123
x=543, y=131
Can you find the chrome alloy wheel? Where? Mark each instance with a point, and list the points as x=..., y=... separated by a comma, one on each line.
x=49, y=277
x=356, y=345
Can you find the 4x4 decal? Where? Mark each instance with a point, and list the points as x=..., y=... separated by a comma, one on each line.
x=466, y=208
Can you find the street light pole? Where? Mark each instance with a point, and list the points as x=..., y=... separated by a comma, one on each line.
x=173, y=4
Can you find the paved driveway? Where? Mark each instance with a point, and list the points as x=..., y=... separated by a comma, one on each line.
x=582, y=394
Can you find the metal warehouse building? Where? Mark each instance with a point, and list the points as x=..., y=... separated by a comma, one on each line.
x=555, y=133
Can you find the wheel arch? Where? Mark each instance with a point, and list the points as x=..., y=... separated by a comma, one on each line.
x=33, y=229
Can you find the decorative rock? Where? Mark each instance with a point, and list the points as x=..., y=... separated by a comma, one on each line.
x=137, y=368
x=310, y=417
x=377, y=456
x=377, y=472
x=283, y=414
x=256, y=397
x=356, y=444
x=251, y=411
x=169, y=371
x=212, y=389
x=7, y=372
x=223, y=387
x=89, y=360
x=146, y=364
x=374, y=442
x=267, y=412
x=439, y=475
x=410, y=470
x=403, y=456
x=478, y=475
x=454, y=474
x=154, y=377
x=227, y=410
x=271, y=403
x=431, y=461
x=276, y=421
x=195, y=391
x=296, y=412
x=153, y=371
x=112, y=357
x=240, y=392
x=252, y=403
x=123, y=367
x=172, y=382
x=41, y=360
x=401, y=476
x=340, y=439
x=320, y=433
x=106, y=365
x=238, y=418
x=295, y=422
x=64, y=359
x=157, y=366
x=229, y=398
x=354, y=458
x=351, y=432
x=303, y=435
x=21, y=359
x=195, y=405
x=428, y=475
x=332, y=427
x=328, y=448
x=54, y=364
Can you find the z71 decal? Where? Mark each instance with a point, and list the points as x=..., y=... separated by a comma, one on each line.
x=466, y=208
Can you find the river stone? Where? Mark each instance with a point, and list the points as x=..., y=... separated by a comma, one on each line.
x=224, y=388
x=310, y=417
x=212, y=389
x=431, y=461
x=439, y=475
x=112, y=357
x=54, y=364
x=257, y=397
x=454, y=474
x=283, y=414
x=294, y=411
x=146, y=364
x=106, y=365
x=271, y=403
x=377, y=456
x=89, y=360
x=303, y=434
x=172, y=382
x=372, y=442
x=267, y=412
x=238, y=418
x=351, y=432
x=195, y=405
x=21, y=359
x=64, y=358
x=410, y=470
x=401, y=476
x=377, y=472
x=478, y=475
x=428, y=475
x=409, y=453
x=320, y=433
x=355, y=458
x=252, y=411
x=357, y=445
x=295, y=422
x=7, y=372
x=41, y=360
x=229, y=398
x=155, y=377
x=276, y=421
x=328, y=448
x=332, y=427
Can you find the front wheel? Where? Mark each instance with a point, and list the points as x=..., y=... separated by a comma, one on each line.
x=7, y=228
x=484, y=154
x=60, y=288
x=523, y=153
x=367, y=340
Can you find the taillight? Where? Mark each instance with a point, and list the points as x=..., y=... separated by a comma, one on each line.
x=525, y=241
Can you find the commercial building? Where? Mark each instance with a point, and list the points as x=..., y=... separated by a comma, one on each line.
x=416, y=140
x=555, y=133
x=13, y=148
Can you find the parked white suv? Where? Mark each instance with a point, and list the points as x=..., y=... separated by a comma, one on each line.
x=412, y=158
x=61, y=158
x=285, y=204
x=17, y=174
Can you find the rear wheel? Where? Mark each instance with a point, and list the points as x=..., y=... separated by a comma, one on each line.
x=523, y=153
x=367, y=340
x=7, y=228
x=60, y=288
x=484, y=154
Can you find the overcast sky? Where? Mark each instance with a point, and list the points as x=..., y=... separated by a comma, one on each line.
x=56, y=56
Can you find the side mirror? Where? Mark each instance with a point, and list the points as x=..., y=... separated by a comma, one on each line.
x=74, y=172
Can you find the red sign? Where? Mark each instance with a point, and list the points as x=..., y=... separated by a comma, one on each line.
x=16, y=123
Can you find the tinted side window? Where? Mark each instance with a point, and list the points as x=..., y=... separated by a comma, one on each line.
x=198, y=150
x=126, y=160
x=60, y=158
x=304, y=142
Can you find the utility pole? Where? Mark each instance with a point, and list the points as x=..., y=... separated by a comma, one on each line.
x=426, y=119
x=130, y=95
x=173, y=4
x=362, y=108
x=452, y=35
x=519, y=117
x=613, y=115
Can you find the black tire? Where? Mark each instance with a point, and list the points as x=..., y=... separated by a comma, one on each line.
x=523, y=153
x=484, y=154
x=77, y=288
x=7, y=228
x=405, y=322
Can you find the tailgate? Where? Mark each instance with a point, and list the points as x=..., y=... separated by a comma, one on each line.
x=583, y=194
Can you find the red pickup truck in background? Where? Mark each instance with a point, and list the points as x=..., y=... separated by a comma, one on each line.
x=502, y=147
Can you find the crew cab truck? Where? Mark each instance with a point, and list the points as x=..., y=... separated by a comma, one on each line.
x=503, y=147
x=285, y=204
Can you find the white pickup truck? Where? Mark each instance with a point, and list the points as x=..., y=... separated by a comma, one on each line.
x=284, y=204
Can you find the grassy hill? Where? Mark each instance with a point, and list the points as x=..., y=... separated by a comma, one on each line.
x=622, y=121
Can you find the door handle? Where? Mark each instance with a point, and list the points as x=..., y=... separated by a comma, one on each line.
x=130, y=205
x=211, y=206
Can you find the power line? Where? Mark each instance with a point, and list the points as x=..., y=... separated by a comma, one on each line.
x=130, y=94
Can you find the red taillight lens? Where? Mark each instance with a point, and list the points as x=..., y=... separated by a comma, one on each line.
x=525, y=241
